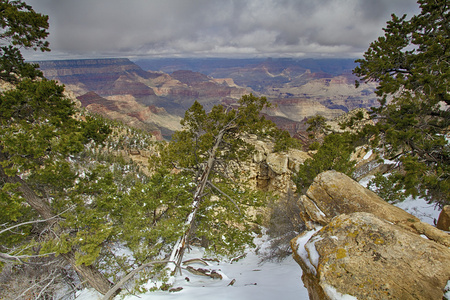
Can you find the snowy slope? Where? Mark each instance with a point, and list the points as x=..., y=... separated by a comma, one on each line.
x=254, y=280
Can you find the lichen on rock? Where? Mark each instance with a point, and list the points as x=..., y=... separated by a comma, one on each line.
x=369, y=258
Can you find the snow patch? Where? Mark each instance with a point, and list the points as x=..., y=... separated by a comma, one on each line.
x=303, y=253
x=312, y=251
x=333, y=294
x=447, y=291
x=319, y=210
x=368, y=155
x=418, y=207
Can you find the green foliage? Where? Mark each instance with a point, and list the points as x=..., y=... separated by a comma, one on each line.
x=387, y=188
x=316, y=124
x=351, y=122
x=221, y=219
x=412, y=55
x=45, y=168
x=95, y=129
x=333, y=154
x=152, y=214
x=21, y=27
x=284, y=142
x=410, y=64
x=37, y=126
x=314, y=146
x=190, y=146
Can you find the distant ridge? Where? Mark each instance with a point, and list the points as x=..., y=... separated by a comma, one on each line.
x=144, y=93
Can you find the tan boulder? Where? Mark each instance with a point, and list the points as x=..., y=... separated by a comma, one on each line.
x=278, y=162
x=333, y=193
x=444, y=219
x=366, y=257
x=296, y=158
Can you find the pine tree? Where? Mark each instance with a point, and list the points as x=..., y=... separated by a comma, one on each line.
x=411, y=65
x=208, y=151
x=39, y=135
x=21, y=27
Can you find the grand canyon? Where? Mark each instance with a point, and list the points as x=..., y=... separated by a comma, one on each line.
x=153, y=94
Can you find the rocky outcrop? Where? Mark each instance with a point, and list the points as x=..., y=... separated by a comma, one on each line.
x=297, y=109
x=353, y=121
x=127, y=110
x=333, y=193
x=106, y=77
x=444, y=219
x=367, y=257
x=366, y=245
x=269, y=170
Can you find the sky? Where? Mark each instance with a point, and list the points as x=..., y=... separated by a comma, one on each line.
x=215, y=28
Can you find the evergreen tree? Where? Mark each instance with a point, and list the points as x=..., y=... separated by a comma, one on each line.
x=411, y=65
x=21, y=27
x=208, y=151
x=333, y=154
x=39, y=136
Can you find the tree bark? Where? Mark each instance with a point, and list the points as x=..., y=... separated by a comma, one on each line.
x=178, y=251
x=88, y=273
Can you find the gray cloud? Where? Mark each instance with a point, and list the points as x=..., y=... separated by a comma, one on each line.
x=336, y=28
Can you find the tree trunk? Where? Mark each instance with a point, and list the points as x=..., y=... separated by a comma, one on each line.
x=178, y=251
x=88, y=273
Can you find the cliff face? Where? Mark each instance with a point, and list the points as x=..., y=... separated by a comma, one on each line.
x=105, y=77
x=299, y=90
x=119, y=89
x=127, y=110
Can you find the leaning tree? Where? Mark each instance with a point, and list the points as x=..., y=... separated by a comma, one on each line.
x=208, y=150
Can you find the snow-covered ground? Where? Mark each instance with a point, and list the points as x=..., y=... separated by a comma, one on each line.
x=253, y=280
x=418, y=207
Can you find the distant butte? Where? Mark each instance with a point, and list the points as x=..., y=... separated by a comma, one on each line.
x=120, y=89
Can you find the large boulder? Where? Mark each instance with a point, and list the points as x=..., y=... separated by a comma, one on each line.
x=364, y=256
x=443, y=222
x=366, y=247
x=333, y=193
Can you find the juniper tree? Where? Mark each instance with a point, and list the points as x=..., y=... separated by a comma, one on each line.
x=38, y=135
x=410, y=63
x=22, y=27
x=208, y=150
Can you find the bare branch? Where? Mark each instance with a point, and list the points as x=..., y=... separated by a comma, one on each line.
x=118, y=285
x=36, y=221
x=46, y=286
x=34, y=285
x=224, y=194
x=12, y=258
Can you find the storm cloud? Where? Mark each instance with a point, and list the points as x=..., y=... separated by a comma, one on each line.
x=217, y=28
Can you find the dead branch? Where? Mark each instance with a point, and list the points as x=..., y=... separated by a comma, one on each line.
x=11, y=258
x=118, y=285
x=36, y=221
x=36, y=284
x=224, y=194
x=195, y=260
